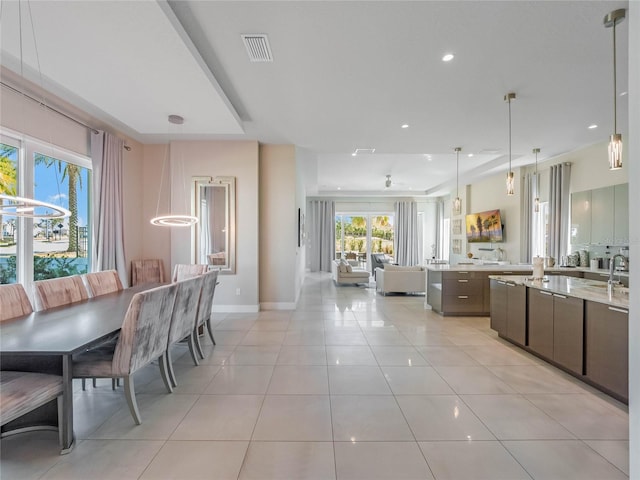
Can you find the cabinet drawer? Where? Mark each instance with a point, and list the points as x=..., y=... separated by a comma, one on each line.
x=462, y=274
x=463, y=286
x=463, y=303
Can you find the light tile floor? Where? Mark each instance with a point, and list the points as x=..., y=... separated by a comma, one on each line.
x=350, y=385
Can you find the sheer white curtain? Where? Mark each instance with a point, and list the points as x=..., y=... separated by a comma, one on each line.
x=529, y=192
x=322, y=238
x=559, y=209
x=405, y=238
x=107, y=208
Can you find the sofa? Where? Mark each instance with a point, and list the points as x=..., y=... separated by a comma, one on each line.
x=400, y=279
x=343, y=272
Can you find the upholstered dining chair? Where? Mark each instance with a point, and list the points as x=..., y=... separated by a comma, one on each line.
x=183, y=320
x=14, y=301
x=59, y=291
x=147, y=271
x=101, y=283
x=209, y=282
x=142, y=339
x=183, y=271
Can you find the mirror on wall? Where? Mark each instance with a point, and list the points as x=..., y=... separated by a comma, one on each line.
x=214, y=236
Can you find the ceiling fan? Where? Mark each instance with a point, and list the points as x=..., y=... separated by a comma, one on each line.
x=387, y=182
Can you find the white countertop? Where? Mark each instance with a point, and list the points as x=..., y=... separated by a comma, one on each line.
x=593, y=290
x=488, y=267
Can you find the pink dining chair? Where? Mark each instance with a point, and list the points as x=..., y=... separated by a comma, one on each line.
x=101, y=283
x=183, y=271
x=59, y=291
x=147, y=271
x=14, y=302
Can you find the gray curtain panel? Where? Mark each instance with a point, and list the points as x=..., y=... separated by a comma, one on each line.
x=322, y=235
x=405, y=239
x=526, y=214
x=108, y=218
x=559, y=210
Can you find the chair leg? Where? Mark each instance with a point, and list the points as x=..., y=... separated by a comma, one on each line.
x=210, y=330
x=94, y=382
x=60, y=420
x=198, y=344
x=164, y=373
x=172, y=374
x=130, y=394
x=113, y=384
x=191, y=341
x=84, y=384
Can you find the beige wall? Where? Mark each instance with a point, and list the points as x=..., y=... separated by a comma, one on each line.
x=278, y=227
x=215, y=158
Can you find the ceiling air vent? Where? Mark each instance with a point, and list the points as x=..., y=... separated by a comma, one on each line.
x=257, y=45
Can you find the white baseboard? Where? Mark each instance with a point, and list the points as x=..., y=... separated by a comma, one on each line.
x=236, y=308
x=278, y=306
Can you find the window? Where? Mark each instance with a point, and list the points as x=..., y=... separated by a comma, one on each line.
x=540, y=231
x=37, y=249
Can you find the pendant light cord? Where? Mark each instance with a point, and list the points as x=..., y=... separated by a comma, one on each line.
x=457, y=173
x=509, y=98
x=615, y=97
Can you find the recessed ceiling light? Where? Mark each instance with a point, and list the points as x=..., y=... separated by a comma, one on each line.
x=448, y=57
x=622, y=94
x=353, y=154
x=405, y=125
x=470, y=155
x=339, y=188
x=592, y=126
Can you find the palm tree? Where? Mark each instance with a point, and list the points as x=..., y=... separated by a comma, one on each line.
x=8, y=176
x=72, y=172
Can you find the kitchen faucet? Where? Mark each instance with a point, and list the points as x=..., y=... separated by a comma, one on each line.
x=611, y=283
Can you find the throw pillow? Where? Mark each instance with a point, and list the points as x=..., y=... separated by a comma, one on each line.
x=349, y=269
x=343, y=268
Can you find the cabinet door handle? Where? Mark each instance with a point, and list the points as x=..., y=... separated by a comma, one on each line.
x=461, y=273
x=511, y=284
x=614, y=309
x=604, y=275
x=501, y=282
x=463, y=281
x=545, y=293
x=558, y=295
x=463, y=296
x=507, y=272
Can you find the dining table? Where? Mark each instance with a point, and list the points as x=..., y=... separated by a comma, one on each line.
x=46, y=341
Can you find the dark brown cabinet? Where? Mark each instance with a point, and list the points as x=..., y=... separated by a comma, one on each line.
x=607, y=347
x=568, y=332
x=541, y=322
x=463, y=293
x=509, y=310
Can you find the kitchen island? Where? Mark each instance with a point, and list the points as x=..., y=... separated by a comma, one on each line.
x=464, y=289
x=573, y=323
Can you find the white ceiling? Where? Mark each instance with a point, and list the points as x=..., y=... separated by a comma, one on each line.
x=345, y=75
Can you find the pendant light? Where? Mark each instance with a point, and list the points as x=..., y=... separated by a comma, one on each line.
x=510, y=181
x=536, y=202
x=615, y=141
x=12, y=205
x=457, y=203
x=171, y=219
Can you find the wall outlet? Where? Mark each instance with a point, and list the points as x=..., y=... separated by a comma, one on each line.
x=237, y=291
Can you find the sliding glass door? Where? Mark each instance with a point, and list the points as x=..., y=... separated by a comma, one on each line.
x=359, y=235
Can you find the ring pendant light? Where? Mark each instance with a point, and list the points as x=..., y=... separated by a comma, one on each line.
x=171, y=219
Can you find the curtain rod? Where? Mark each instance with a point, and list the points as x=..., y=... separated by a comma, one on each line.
x=48, y=107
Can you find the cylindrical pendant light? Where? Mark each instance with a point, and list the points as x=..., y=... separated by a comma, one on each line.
x=510, y=180
x=536, y=201
x=615, y=140
x=457, y=203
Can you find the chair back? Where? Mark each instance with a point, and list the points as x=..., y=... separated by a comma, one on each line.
x=143, y=337
x=378, y=260
x=13, y=301
x=182, y=271
x=59, y=291
x=147, y=271
x=209, y=281
x=101, y=283
x=185, y=309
